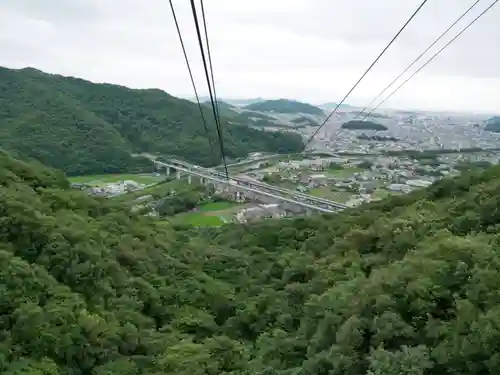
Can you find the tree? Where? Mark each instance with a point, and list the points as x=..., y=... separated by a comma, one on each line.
x=407, y=285
x=86, y=128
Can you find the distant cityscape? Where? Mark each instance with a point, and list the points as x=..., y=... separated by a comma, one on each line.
x=412, y=131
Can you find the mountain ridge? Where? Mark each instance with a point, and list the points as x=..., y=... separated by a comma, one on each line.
x=259, y=119
x=331, y=106
x=83, y=127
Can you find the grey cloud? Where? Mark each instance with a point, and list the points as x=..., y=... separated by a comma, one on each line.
x=368, y=24
x=303, y=48
x=55, y=11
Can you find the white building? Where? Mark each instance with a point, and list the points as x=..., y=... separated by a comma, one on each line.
x=399, y=188
x=418, y=183
x=258, y=212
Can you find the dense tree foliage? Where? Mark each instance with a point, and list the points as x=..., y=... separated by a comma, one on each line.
x=285, y=106
x=493, y=124
x=363, y=125
x=225, y=109
x=82, y=127
x=365, y=164
x=183, y=200
x=378, y=138
x=305, y=121
x=408, y=285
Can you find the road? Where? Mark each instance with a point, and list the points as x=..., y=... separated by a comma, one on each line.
x=257, y=187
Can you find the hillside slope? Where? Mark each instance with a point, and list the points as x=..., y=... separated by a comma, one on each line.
x=331, y=106
x=83, y=127
x=409, y=285
x=493, y=124
x=285, y=106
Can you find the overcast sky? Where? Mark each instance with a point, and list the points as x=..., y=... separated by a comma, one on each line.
x=311, y=50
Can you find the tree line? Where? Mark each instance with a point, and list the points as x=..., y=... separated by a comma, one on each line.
x=407, y=285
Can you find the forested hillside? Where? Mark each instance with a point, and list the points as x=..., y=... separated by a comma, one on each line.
x=493, y=124
x=285, y=106
x=409, y=285
x=82, y=127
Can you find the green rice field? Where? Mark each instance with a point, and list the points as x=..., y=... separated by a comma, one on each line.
x=342, y=173
x=337, y=196
x=97, y=180
x=209, y=214
x=199, y=220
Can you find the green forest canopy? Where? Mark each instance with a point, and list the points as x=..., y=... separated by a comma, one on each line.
x=408, y=285
x=493, y=124
x=363, y=125
x=285, y=106
x=86, y=128
x=239, y=115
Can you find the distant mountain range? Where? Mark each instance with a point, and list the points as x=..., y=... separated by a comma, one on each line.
x=278, y=113
x=246, y=102
x=332, y=106
x=285, y=106
x=235, y=102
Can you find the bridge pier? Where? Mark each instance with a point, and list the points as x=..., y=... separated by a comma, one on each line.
x=241, y=189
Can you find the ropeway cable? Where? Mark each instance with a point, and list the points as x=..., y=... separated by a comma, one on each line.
x=214, y=109
x=432, y=58
x=205, y=125
x=417, y=58
x=364, y=74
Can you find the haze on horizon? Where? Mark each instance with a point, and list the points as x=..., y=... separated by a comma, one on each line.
x=309, y=50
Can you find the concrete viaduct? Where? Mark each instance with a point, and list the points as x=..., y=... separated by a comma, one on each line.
x=245, y=188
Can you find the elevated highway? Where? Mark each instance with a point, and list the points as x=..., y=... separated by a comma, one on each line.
x=252, y=189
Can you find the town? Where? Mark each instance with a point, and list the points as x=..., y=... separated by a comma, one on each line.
x=350, y=178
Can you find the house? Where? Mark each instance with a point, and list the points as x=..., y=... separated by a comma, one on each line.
x=368, y=186
x=271, y=210
x=253, y=155
x=302, y=189
x=259, y=212
x=319, y=179
x=144, y=198
x=418, y=183
x=344, y=185
x=79, y=186
x=399, y=188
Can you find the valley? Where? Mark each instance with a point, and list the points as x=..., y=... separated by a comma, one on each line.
x=161, y=253
x=147, y=246
x=347, y=180
x=283, y=225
